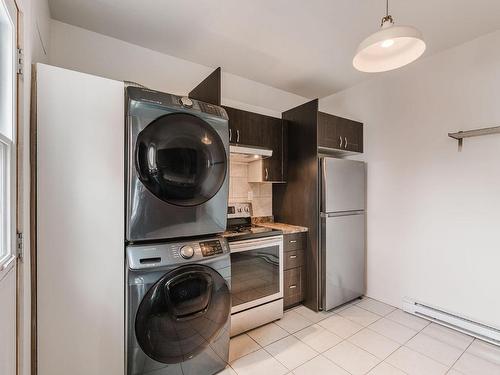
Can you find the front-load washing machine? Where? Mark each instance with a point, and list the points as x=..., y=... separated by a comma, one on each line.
x=176, y=166
x=178, y=307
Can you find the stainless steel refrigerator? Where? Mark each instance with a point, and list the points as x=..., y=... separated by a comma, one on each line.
x=342, y=231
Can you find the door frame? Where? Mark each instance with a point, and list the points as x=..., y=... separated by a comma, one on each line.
x=19, y=144
x=15, y=166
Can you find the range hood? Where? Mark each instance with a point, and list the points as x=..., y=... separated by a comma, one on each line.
x=247, y=154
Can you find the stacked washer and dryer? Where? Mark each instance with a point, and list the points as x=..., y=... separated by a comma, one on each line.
x=178, y=270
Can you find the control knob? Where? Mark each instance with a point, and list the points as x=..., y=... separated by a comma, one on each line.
x=187, y=251
x=186, y=102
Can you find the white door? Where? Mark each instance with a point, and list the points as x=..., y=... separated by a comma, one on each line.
x=8, y=126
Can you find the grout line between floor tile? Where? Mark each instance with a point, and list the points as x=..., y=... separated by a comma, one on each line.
x=402, y=325
x=372, y=353
x=425, y=355
x=468, y=346
x=395, y=321
x=435, y=360
x=384, y=360
x=442, y=342
x=244, y=333
x=290, y=370
x=366, y=351
x=351, y=320
x=361, y=307
x=336, y=364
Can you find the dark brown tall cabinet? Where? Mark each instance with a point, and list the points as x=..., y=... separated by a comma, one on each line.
x=209, y=90
x=310, y=134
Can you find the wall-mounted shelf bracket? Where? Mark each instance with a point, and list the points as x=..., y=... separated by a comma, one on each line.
x=459, y=136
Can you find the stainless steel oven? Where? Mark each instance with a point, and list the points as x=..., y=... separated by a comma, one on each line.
x=256, y=282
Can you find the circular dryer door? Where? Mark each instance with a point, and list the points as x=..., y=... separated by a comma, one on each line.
x=182, y=313
x=181, y=159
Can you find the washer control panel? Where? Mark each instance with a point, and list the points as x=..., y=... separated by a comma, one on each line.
x=146, y=95
x=165, y=254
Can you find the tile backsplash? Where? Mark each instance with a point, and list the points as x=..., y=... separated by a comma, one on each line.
x=240, y=190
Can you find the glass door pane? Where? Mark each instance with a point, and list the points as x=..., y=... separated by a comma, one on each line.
x=181, y=159
x=182, y=313
x=255, y=274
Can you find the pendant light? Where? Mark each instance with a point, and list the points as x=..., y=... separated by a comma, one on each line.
x=389, y=48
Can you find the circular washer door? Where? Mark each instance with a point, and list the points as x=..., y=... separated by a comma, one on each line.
x=182, y=313
x=181, y=159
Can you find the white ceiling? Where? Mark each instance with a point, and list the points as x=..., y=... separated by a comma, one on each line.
x=300, y=46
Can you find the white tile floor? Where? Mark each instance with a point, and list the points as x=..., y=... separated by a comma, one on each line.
x=365, y=337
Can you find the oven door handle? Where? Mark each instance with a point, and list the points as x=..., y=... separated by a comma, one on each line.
x=247, y=245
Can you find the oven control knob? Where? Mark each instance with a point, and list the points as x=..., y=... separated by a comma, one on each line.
x=247, y=209
x=186, y=102
x=187, y=251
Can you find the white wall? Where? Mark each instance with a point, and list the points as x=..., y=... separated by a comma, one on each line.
x=82, y=50
x=433, y=213
x=85, y=51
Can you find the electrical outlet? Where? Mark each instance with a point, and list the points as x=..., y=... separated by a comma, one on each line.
x=250, y=195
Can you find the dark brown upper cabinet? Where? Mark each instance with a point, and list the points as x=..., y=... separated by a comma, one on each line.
x=339, y=134
x=248, y=128
x=253, y=129
x=209, y=90
x=274, y=168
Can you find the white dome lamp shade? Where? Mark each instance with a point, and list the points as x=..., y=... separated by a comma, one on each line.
x=389, y=48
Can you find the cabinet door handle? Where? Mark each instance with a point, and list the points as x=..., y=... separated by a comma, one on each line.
x=267, y=174
x=345, y=146
x=230, y=135
x=293, y=241
x=293, y=256
x=340, y=141
x=293, y=286
x=238, y=135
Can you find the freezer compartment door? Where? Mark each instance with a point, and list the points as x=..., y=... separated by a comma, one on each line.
x=344, y=258
x=343, y=185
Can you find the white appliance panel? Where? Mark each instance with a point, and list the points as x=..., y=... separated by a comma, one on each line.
x=80, y=223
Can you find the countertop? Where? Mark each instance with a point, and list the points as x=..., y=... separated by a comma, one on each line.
x=286, y=228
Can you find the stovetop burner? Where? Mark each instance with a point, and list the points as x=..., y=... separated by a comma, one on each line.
x=246, y=233
x=240, y=227
x=246, y=230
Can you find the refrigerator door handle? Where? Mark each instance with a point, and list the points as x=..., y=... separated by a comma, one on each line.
x=343, y=213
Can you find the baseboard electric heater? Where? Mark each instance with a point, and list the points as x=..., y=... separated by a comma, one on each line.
x=465, y=325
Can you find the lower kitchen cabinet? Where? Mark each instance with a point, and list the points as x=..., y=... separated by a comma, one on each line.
x=294, y=287
x=294, y=268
